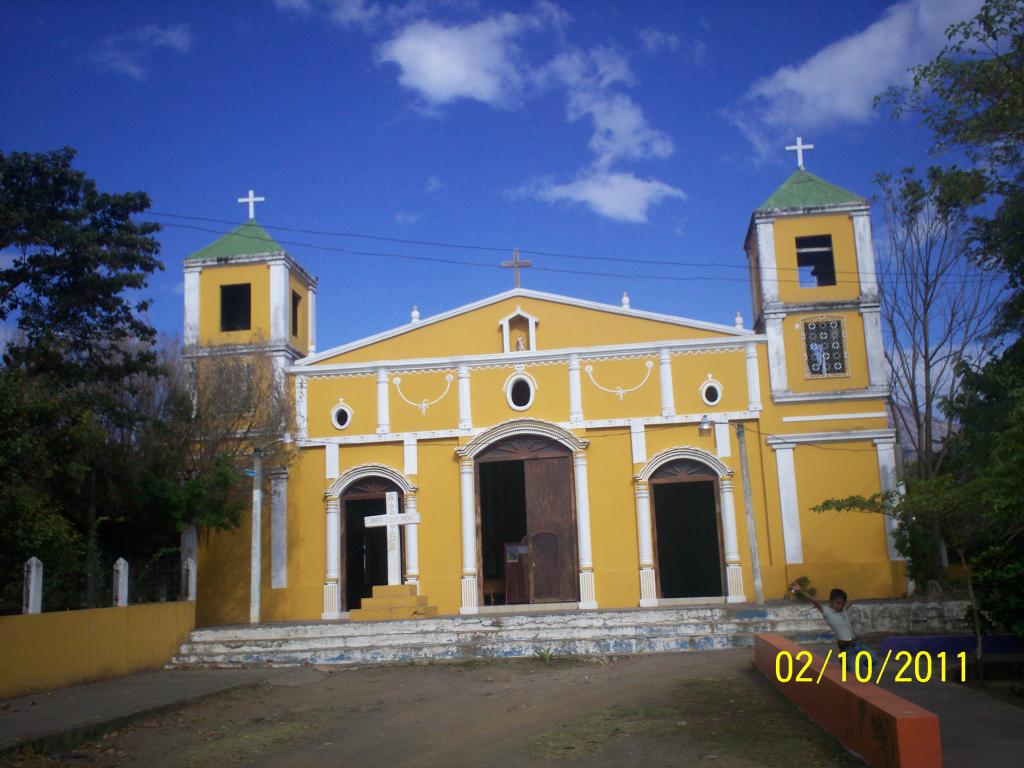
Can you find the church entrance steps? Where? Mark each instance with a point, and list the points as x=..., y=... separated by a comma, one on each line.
x=630, y=631
x=394, y=603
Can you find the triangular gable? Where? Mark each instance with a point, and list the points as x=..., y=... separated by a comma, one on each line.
x=659, y=327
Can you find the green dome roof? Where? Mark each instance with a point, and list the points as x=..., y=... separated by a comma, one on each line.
x=805, y=190
x=247, y=240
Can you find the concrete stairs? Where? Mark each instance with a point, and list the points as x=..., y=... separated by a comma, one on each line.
x=655, y=630
x=391, y=603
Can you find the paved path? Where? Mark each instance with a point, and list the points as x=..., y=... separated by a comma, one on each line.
x=67, y=714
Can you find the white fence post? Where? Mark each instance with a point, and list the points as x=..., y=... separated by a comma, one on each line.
x=32, y=594
x=121, y=582
x=190, y=579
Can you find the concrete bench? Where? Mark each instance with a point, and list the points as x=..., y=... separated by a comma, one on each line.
x=882, y=728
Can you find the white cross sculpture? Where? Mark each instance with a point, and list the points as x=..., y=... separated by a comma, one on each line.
x=392, y=520
x=799, y=148
x=252, y=200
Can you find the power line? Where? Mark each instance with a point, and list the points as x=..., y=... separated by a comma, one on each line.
x=486, y=265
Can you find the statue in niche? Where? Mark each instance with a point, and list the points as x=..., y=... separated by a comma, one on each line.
x=520, y=344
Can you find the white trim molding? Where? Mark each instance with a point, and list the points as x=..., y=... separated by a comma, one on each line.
x=837, y=416
x=353, y=474
x=524, y=293
x=191, y=307
x=831, y=437
x=506, y=321
x=682, y=452
x=788, y=503
x=832, y=396
x=516, y=427
x=520, y=375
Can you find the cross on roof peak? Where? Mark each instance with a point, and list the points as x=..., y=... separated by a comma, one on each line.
x=516, y=264
x=799, y=148
x=252, y=200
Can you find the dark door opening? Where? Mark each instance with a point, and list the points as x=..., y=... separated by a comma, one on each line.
x=366, y=550
x=689, y=549
x=503, y=532
x=527, y=523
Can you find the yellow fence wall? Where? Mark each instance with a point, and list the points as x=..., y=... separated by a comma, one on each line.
x=51, y=650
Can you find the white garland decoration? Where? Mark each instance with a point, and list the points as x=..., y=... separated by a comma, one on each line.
x=425, y=404
x=619, y=391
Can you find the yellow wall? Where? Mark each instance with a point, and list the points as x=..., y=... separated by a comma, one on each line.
x=52, y=650
x=560, y=326
x=210, y=281
x=840, y=227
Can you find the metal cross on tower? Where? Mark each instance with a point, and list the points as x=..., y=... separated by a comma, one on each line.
x=252, y=200
x=799, y=148
x=516, y=264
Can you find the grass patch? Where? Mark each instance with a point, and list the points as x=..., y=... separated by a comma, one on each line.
x=587, y=735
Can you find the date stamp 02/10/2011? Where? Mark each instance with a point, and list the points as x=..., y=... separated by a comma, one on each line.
x=863, y=666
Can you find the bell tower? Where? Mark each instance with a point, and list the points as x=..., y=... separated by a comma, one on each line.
x=244, y=293
x=815, y=294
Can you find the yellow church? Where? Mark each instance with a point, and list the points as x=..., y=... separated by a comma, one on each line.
x=532, y=451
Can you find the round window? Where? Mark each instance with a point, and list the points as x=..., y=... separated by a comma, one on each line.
x=341, y=416
x=520, y=393
x=711, y=392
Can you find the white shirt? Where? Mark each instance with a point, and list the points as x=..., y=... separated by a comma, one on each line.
x=839, y=621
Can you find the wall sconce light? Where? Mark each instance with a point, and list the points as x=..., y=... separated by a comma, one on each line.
x=705, y=423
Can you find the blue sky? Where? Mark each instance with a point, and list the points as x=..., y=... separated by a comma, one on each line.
x=620, y=130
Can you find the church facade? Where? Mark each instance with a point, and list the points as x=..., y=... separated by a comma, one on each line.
x=548, y=452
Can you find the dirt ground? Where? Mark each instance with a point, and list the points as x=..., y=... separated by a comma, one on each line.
x=662, y=710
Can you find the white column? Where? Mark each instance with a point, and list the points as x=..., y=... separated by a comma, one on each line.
x=886, y=449
x=766, y=259
x=279, y=529
x=776, y=353
x=412, y=544
x=668, y=398
x=280, y=301
x=332, y=588
x=256, y=552
x=638, y=441
x=465, y=406
x=865, y=253
x=191, y=306
x=32, y=594
x=190, y=579
x=575, y=391
x=877, y=376
x=311, y=323
x=588, y=597
x=723, y=446
x=733, y=570
x=121, y=583
x=470, y=600
x=301, y=408
x=383, y=409
x=331, y=461
x=788, y=501
x=645, y=541
x=753, y=379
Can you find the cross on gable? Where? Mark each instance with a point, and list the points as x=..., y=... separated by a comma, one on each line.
x=516, y=264
x=799, y=148
x=252, y=200
x=391, y=520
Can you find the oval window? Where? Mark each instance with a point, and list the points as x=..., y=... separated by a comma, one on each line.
x=520, y=393
x=711, y=392
x=341, y=416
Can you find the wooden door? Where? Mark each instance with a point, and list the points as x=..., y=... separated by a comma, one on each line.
x=551, y=530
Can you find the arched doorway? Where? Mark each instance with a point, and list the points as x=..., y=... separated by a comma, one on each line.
x=364, y=550
x=526, y=522
x=689, y=557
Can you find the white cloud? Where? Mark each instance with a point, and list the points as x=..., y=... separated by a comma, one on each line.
x=127, y=53
x=446, y=63
x=616, y=195
x=433, y=184
x=353, y=12
x=655, y=40
x=404, y=218
x=698, y=52
x=838, y=84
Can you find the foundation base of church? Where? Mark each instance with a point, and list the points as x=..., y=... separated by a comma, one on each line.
x=394, y=603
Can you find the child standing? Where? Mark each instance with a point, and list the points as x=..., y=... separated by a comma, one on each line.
x=835, y=614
